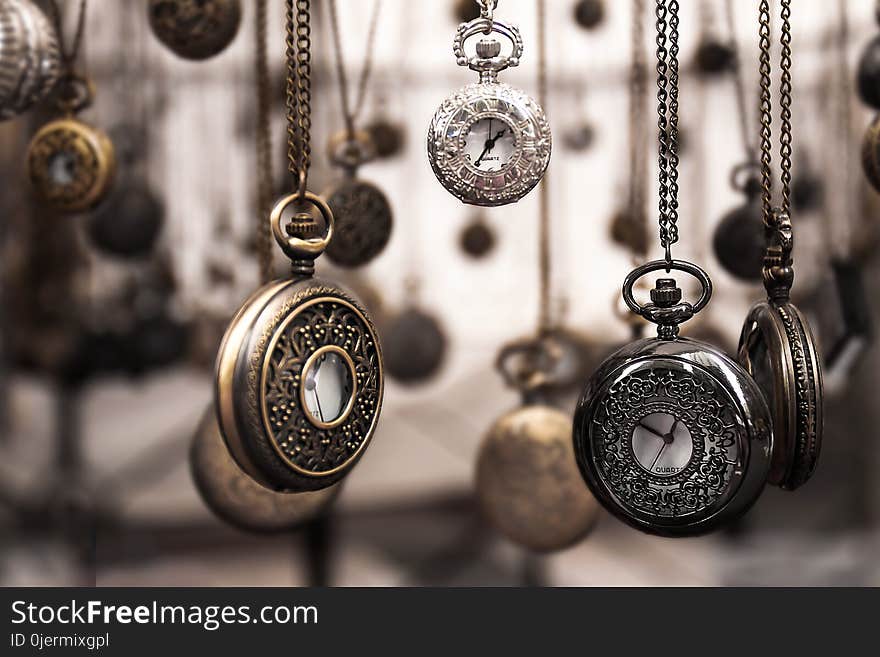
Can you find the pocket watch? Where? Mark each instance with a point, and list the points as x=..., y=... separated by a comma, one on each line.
x=777, y=348
x=415, y=345
x=738, y=239
x=299, y=378
x=361, y=211
x=527, y=481
x=195, y=29
x=30, y=59
x=236, y=498
x=489, y=143
x=71, y=164
x=671, y=435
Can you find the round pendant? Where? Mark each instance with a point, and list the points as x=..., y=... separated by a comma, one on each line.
x=589, y=13
x=871, y=153
x=299, y=384
x=70, y=165
x=738, y=241
x=477, y=239
x=388, y=137
x=236, y=498
x=195, y=29
x=29, y=57
x=670, y=434
x=868, y=74
x=489, y=143
x=714, y=57
x=363, y=222
x=630, y=230
x=129, y=223
x=527, y=480
x=415, y=346
x=777, y=349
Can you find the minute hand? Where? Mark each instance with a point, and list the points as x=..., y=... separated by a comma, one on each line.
x=490, y=144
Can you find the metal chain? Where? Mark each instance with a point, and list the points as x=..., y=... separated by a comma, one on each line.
x=667, y=121
x=265, y=174
x=350, y=114
x=68, y=56
x=299, y=91
x=638, y=179
x=545, y=320
x=739, y=86
x=785, y=96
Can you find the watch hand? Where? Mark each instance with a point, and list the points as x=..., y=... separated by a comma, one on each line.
x=486, y=148
x=649, y=429
x=656, y=458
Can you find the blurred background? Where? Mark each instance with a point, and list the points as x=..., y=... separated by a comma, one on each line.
x=106, y=355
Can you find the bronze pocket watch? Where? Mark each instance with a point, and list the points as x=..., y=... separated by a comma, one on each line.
x=489, y=143
x=299, y=379
x=195, y=29
x=527, y=480
x=236, y=498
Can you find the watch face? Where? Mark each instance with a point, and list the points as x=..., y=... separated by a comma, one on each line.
x=490, y=144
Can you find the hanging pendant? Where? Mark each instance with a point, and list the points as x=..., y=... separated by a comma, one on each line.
x=589, y=14
x=299, y=378
x=128, y=225
x=527, y=480
x=71, y=164
x=236, y=498
x=671, y=435
x=415, y=346
x=195, y=29
x=777, y=348
x=29, y=57
x=361, y=212
x=477, y=239
x=738, y=240
x=489, y=143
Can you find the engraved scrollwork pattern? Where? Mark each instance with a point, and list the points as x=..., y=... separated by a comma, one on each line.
x=304, y=445
x=363, y=221
x=714, y=427
x=449, y=128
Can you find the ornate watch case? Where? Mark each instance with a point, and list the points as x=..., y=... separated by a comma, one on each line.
x=777, y=348
x=489, y=143
x=671, y=435
x=236, y=498
x=70, y=164
x=299, y=375
x=195, y=29
x=29, y=57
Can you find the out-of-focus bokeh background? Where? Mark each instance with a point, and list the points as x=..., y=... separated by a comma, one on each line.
x=106, y=362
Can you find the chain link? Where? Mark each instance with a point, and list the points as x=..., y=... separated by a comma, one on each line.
x=265, y=174
x=667, y=121
x=785, y=98
x=68, y=56
x=299, y=91
x=350, y=114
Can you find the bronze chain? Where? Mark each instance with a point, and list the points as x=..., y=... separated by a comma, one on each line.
x=351, y=114
x=68, y=56
x=545, y=320
x=785, y=93
x=667, y=121
x=265, y=174
x=299, y=91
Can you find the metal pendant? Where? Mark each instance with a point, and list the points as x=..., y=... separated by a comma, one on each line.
x=489, y=143
x=299, y=374
x=671, y=435
x=589, y=14
x=777, y=349
x=361, y=212
x=236, y=498
x=29, y=57
x=70, y=165
x=195, y=29
x=477, y=239
x=415, y=346
x=527, y=479
x=738, y=240
x=128, y=225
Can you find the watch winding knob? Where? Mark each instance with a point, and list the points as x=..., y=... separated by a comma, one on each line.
x=488, y=48
x=666, y=293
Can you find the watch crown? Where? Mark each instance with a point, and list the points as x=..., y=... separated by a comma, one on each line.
x=488, y=48
x=303, y=226
x=666, y=293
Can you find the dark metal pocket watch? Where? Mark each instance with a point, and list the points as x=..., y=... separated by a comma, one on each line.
x=71, y=164
x=361, y=211
x=477, y=239
x=777, y=348
x=299, y=374
x=671, y=435
x=195, y=29
x=236, y=498
x=738, y=240
x=415, y=345
x=489, y=143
